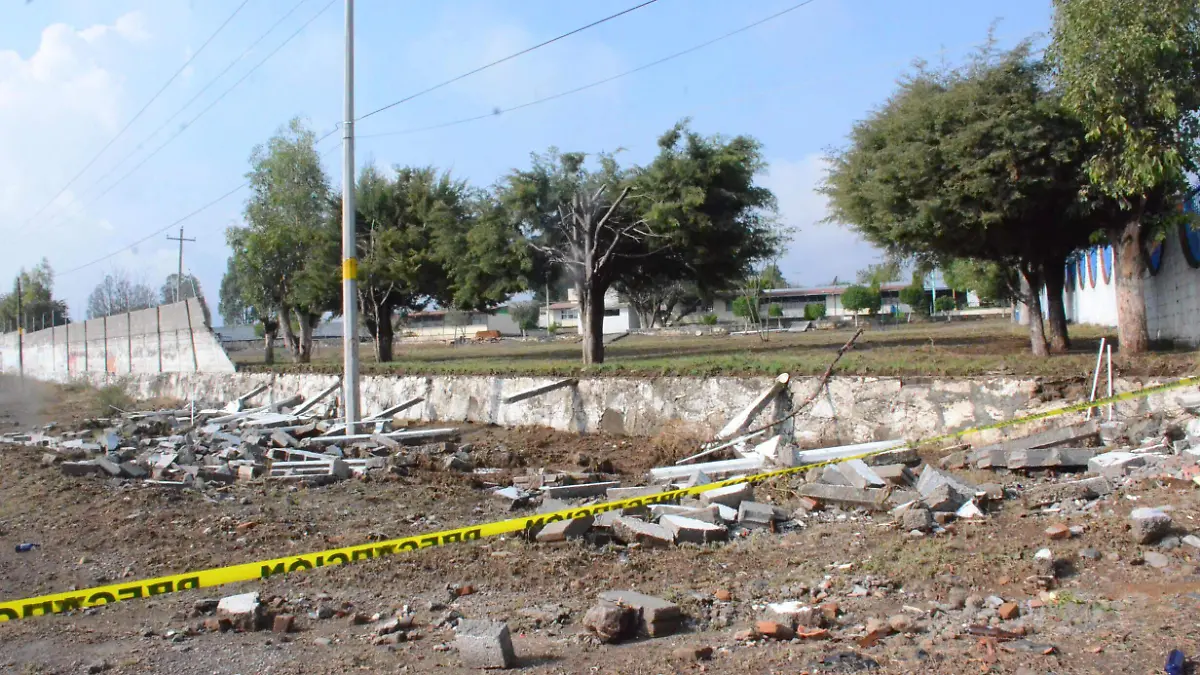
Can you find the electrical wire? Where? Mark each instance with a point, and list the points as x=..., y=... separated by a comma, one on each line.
x=112, y=170
x=597, y=83
x=139, y=112
x=187, y=125
x=506, y=58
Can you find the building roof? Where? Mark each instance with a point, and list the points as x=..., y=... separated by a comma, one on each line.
x=833, y=290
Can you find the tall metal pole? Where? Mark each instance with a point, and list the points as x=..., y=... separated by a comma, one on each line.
x=349, y=259
x=20, y=332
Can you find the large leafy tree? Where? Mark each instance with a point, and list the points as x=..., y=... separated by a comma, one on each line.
x=177, y=289
x=38, y=307
x=285, y=258
x=979, y=162
x=1130, y=70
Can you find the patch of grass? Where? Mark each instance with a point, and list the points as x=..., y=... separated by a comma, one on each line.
x=982, y=348
x=110, y=397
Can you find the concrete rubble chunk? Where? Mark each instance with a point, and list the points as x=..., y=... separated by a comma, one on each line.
x=1116, y=464
x=832, y=475
x=692, y=530
x=931, y=479
x=107, y=466
x=755, y=515
x=634, y=531
x=619, y=493
x=794, y=614
x=1148, y=525
x=730, y=495
x=859, y=474
x=484, y=644
x=1049, y=493
x=843, y=495
x=562, y=530
x=579, y=491
x=611, y=622
x=894, y=474
x=917, y=519
x=655, y=616
x=244, y=611
x=85, y=468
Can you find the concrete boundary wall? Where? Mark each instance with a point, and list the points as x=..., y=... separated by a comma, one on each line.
x=854, y=409
x=165, y=339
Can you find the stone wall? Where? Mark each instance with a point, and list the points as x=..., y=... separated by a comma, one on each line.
x=854, y=409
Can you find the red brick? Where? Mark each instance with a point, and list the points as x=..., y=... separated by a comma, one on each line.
x=283, y=623
x=774, y=630
x=1009, y=610
x=1058, y=531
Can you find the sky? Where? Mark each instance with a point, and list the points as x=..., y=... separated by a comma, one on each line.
x=74, y=73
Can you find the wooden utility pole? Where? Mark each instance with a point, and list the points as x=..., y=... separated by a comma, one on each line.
x=179, y=275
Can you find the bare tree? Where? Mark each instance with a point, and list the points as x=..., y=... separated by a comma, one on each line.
x=118, y=294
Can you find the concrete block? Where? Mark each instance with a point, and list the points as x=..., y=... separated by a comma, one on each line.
x=724, y=513
x=842, y=495
x=932, y=478
x=694, y=531
x=944, y=498
x=1148, y=525
x=894, y=474
x=754, y=515
x=562, y=530
x=618, y=493
x=730, y=495
x=1088, y=488
x=607, y=519
x=107, y=466
x=580, y=491
x=989, y=458
x=656, y=616
x=1115, y=464
x=80, y=469
x=832, y=475
x=484, y=644
x=131, y=470
x=859, y=474
x=244, y=611
x=794, y=614
x=916, y=519
x=632, y=530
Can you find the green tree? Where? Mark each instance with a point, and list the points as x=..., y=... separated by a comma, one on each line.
x=1130, y=70
x=745, y=308
x=993, y=283
x=693, y=214
x=286, y=258
x=773, y=278
x=189, y=287
x=814, y=311
x=915, y=297
x=944, y=303
x=861, y=298
x=980, y=162
x=525, y=314
x=38, y=307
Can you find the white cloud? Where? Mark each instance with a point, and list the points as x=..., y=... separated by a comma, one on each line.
x=818, y=251
x=58, y=106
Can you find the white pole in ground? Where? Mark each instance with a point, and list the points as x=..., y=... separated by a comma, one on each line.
x=1096, y=376
x=349, y=250
x=1110, y=381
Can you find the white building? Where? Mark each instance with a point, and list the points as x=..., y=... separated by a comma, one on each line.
x=793, y=301
x=1172, y=290
x=619, y=317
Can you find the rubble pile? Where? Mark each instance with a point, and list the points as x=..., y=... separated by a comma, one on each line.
x=292, y=439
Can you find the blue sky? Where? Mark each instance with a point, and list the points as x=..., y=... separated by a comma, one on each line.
x=73, y=72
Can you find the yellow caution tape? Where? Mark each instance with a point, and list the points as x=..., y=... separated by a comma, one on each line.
x=217, y=576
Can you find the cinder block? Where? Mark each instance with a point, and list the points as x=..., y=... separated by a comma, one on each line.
x=485, y=644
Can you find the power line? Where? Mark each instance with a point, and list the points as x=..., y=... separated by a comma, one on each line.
x=597, y=83
x=157, y=232
x=198, y=94
x=139, y=112
x=506, y=58
x=187, y=125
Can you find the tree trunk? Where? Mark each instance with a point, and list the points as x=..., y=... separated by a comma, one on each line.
x=1132, y=334
x=384, y=334
x=269, y=335
x=307, y=323
x=289, y=334
x=1033, y=305
x=591, y=325
x=1056, y=311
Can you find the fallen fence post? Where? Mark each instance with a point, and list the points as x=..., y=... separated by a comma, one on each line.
x=544, y=389
x=307, y=405
x=742, y=419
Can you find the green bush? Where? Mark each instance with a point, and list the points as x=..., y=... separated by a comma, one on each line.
x=814, y=311
x=944, y=304
x=708, y=319
x=775, y=310
x=914, y=297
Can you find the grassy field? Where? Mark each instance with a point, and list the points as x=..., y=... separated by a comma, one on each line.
x=994, y=347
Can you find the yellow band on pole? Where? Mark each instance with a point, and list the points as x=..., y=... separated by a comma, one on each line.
x=350, y=268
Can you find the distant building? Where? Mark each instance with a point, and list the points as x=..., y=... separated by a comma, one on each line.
x=793, y=301
x=619, y=317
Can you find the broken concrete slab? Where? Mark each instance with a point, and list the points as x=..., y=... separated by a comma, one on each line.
x=1049, y=458
x=725, y=467
x=618, y=493
x=1116, y=464
x=859, y=474
x=565, y=529
x=1088, y=488
x=755, y=515
x=1044, y=439
x=656, y=616
x=579, y=491
x=79, y=469
x=832, y=475
x=843, y=495
x=932, y=478
x=693, y=530
x=484, y=644
x=244, y=611
x=634, y=531
x=730, y=495
x=894, y=474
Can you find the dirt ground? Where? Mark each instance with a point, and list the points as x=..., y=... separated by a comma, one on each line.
x=1111, y=614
